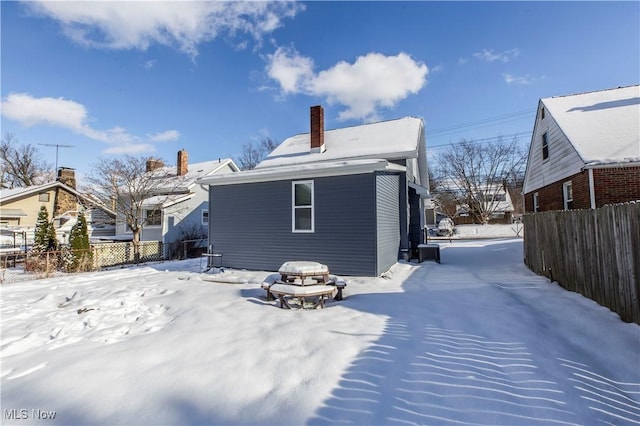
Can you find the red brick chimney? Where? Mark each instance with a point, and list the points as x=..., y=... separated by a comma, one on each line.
x=317, y=129
x=153, y=164
x=183, y=163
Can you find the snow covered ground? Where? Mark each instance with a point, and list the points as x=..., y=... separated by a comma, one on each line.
x=478, y=340
x=466, y=232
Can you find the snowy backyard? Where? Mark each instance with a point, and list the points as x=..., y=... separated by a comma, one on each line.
x=478, y=339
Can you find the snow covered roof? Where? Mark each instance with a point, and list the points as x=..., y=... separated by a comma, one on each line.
x=10, y=194
x=196, y=171
x=303, y=171
x=603, y=126
x=7, y=195
x=165, y=201
x=388, y=140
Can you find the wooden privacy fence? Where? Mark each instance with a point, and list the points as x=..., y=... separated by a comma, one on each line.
x=593, y=252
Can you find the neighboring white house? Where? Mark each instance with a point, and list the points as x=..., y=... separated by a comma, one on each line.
x=180, y=209
x=494, y=197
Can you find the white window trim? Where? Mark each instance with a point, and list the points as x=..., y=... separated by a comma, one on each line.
x=536, y=202
x=565, y=194
x=293, y=207
x=202, y=212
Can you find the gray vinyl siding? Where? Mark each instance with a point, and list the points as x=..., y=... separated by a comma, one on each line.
x=387, y=221
x=250, y=224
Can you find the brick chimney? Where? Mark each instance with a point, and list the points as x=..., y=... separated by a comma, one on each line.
x=317, y=129
x=67, y=176
x=153, y=164
x=183, y=163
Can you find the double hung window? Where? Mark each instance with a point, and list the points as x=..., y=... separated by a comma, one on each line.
x=302, y=209
x=152, y=217
x=567, y=195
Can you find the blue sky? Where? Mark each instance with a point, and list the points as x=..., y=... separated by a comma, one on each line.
x=151, y=78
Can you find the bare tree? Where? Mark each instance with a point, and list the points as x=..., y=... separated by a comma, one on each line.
x=480, y=173
x=22, y=165
x=135, y=193
x=253, y=154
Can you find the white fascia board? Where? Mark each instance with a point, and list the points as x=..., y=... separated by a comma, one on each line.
x=173, y=202
x=303, y=171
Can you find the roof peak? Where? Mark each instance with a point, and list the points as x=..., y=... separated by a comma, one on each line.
x=593, y=91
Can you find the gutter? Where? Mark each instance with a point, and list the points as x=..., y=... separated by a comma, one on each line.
x=303, y=171
x=616, y=165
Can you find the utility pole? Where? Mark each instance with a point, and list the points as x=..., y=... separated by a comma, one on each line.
x=57, y=145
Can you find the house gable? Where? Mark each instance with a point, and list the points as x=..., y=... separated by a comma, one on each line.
x=58, y=198
x=586, y=130
x=562, y=161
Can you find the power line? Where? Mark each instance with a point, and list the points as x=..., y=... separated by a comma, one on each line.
x=483, y=140
x=58, y=146
x=512, y=116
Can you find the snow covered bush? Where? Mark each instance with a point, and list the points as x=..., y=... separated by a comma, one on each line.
x=44, y=238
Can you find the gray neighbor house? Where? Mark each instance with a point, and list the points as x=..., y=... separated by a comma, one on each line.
x=351, y=198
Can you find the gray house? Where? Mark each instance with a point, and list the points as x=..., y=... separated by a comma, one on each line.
x=351, y=198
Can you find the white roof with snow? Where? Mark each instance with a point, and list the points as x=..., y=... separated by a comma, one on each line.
x=389, y=140
x=303, y=171
x=603, y=126
x=195, y=172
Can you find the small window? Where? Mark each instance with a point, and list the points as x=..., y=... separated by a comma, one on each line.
x=567, y=195
x=205, y=217
x=302, y=219
x=545, y=146
x=536, y=202
x=542, y=113
x=43, y=197
x=153, y=217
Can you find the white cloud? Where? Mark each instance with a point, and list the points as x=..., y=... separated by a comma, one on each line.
x=491, y=56
x=290, y=70
x=131, y=149
x=31, y=111
x=59, y=112
x=149, y=63
x=180, y=24
x=523, y=80
x=166, y=136
x=372, y=82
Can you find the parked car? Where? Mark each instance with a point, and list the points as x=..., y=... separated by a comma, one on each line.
x=446, y=228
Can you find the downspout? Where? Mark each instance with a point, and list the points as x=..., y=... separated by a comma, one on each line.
x=592, y=191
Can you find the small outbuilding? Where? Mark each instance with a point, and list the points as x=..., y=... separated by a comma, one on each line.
x=351, y=198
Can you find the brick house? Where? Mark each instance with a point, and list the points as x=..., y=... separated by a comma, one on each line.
x=584, y=151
